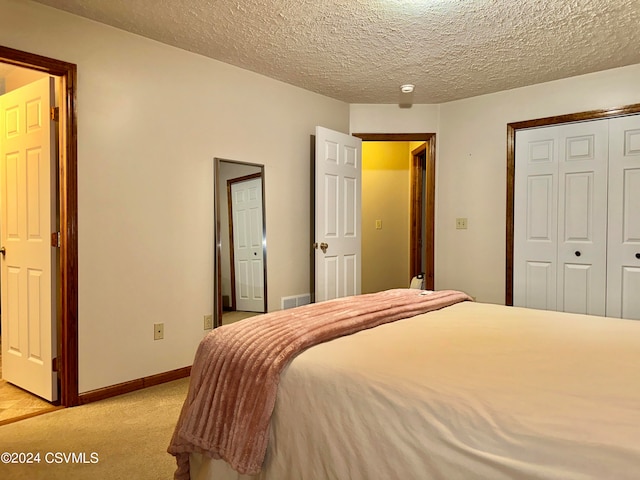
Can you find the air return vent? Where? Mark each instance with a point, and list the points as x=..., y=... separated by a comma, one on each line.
x=295, y=301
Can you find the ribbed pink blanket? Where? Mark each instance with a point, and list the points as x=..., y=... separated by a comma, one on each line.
x=235, y=375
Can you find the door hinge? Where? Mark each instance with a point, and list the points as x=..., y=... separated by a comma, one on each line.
x=55, y=114
x=55, y=239
x=54, y=364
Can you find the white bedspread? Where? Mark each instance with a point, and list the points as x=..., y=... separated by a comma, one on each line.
x=473, y=391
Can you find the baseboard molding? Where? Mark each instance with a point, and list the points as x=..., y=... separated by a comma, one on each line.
x=133, y=385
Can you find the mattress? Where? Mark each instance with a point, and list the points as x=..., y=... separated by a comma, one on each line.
x=472, y=391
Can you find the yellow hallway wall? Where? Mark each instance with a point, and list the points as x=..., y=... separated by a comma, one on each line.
x=385, y=197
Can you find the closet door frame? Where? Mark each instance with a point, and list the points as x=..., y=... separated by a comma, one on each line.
x=511, y=140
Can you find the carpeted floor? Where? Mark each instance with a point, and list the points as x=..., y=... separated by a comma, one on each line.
x=124, y=437
x=236, y=316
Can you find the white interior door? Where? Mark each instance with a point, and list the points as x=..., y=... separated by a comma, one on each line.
x=246, y=207
x=338, y=197
x=28, y=218
x=582, y=216
x=560, y=227
x=623, y=264
x=535, y=253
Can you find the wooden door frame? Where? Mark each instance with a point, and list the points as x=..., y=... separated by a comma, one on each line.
x=512, y=128
x=232, y=264
x=416, y=253
x=67, y=359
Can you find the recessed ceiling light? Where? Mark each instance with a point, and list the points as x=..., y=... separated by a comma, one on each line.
x=408, y=88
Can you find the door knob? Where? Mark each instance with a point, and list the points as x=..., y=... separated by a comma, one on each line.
x=3, y=251
x=323, y=247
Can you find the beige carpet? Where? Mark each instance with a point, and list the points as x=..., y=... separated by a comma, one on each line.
x=128, y=434
x=232, y=317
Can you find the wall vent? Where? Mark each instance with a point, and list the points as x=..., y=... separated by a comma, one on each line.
x=288, y=302
x=295, y=301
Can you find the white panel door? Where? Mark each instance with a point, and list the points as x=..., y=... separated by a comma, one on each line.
x=338, y=192
x=560, y=226
x=27, y=172
x=535, y=220
x=246, y=206
x=583, y=150
x=623, y=278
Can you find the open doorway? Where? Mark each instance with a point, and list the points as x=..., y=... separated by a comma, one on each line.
x=64, y=239
x=28, y=146
x=403, y=243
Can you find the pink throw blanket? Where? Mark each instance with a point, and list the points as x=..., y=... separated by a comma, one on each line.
x=235, y=375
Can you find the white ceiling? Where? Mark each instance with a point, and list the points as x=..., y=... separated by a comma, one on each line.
x=361, y=51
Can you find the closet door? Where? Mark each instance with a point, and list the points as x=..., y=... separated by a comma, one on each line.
x=582, y=216
x=623, y=269
x=560, y=226
x=535, y=219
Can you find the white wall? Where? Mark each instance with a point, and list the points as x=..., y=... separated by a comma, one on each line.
x=471, y=165
x=366, y=118
x=151, y=118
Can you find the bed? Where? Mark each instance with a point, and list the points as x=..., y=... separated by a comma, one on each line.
x=463, y=391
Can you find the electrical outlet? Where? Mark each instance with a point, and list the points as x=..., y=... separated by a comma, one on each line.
x=158, y=331
x=461, y=223
x=208, y=322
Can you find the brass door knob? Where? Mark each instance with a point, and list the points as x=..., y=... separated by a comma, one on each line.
x=323, y=247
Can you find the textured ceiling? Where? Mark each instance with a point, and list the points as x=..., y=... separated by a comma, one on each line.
x=361, y=51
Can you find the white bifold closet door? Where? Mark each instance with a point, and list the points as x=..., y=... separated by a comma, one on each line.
x=577, y=218
x=623, y=258
x=560, y=228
